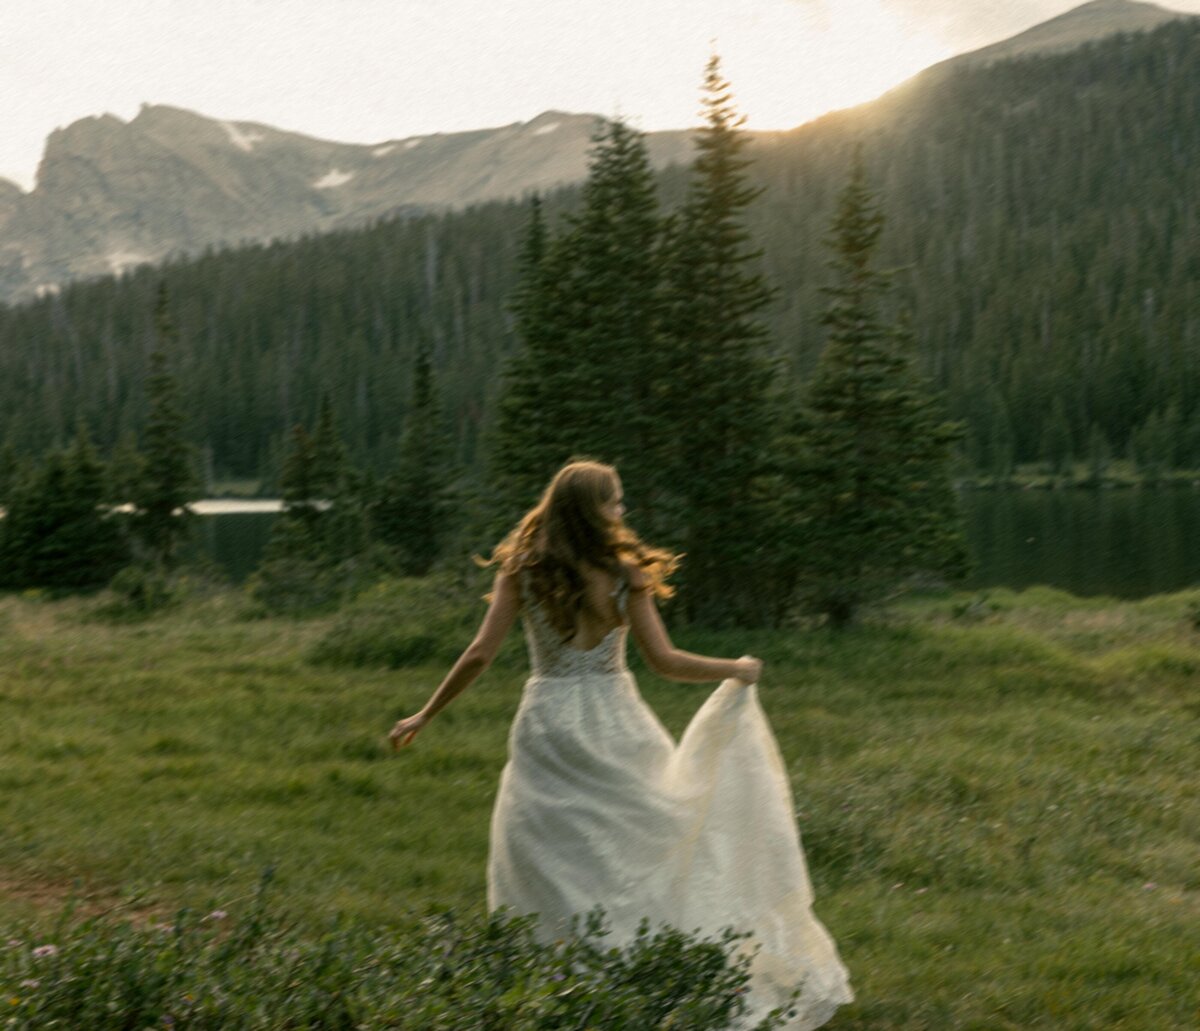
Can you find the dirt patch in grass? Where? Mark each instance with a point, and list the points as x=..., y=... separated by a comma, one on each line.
x=50, y=896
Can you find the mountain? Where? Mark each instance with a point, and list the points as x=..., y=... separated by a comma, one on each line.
x=112, y=194
x=1085, y=24
x=1043, y=213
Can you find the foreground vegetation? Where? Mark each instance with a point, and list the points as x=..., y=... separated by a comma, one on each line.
x=997, y=794
x=441, y=976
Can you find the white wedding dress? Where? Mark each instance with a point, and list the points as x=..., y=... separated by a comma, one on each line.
x=597, y=805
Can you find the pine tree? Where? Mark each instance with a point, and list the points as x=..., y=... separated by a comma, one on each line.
x=1099, y=456
x=873, y=499
x=339, y=487
x=716, y=374
x=1056, y=447
x=327, y=472
x=8, y=470
x=316, y=548
x=525, y=448
x=412, y=511
x=56, y=533
x=586, y=312
x=126, y=469
x=295, y=533
x=166, y=481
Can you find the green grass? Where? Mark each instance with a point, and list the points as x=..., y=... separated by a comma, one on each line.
x=997, y=794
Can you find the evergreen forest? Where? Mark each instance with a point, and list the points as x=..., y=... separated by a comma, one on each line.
x=1043, y=213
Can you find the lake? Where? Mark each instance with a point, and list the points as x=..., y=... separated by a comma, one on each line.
x=1127, y=543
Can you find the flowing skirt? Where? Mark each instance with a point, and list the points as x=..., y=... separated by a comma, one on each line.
x=597, y=805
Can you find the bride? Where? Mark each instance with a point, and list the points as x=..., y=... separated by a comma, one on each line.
x=597, y=804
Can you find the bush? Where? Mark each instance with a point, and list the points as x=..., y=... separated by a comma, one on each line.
x=444, y=974
x=404, y=622
x=295, y=586
x=143, y=590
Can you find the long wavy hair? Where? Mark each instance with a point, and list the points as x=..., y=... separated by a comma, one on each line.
x=566, y=531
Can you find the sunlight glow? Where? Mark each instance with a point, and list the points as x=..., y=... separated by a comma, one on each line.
x=805, y=60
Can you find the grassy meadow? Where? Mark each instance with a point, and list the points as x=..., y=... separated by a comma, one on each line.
x=997, y=794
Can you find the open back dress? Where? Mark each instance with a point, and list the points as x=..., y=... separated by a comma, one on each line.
x=598, y=805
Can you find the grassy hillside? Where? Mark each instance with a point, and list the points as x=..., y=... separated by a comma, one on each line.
x=998, y=796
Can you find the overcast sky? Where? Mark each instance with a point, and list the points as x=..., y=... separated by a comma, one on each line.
x=371, y=70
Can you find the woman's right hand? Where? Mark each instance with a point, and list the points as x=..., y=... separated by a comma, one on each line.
x=749, y=669
x=405, y=730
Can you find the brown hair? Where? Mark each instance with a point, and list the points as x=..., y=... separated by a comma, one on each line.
x=565, y=531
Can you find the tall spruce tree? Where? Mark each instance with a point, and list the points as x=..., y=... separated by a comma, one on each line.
x=873, y=499
x=411, y=511
x=716, y=375
x=165, y=481
x=525, y=447
x=587, y=314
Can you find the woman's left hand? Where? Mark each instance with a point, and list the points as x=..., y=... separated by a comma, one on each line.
x=406, y=729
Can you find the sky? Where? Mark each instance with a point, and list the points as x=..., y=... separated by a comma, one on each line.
x=365, y=71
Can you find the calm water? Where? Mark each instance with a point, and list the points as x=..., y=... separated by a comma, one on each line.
x=1127, y=543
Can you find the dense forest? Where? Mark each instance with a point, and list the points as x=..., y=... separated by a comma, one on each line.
x=1044, y=214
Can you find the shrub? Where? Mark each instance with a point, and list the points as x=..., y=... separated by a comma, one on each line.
x=143, y=590
x=403, y=622
x=443, y=974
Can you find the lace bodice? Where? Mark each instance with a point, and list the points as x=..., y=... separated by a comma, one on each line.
x=550, y=656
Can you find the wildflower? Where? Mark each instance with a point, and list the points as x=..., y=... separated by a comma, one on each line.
x=560, y=976
x=31, y=982
x=44, y=951
x=217, y=914
x=1149, y=886
x=14, y=943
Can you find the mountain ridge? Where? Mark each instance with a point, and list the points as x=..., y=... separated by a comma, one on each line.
x=111, y=194
x=1086, y=23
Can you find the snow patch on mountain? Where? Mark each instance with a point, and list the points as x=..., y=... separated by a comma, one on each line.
x=240, y=138
x=382, y=152
x=541, y=130
x=334, y=177
x=409, y=144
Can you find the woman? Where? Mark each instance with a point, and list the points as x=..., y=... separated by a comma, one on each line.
x=597, y=805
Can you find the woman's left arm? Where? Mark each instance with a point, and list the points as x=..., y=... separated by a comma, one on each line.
x=501, y=614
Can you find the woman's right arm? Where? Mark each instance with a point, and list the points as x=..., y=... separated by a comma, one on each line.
x=664, y=658
x=501, y=614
